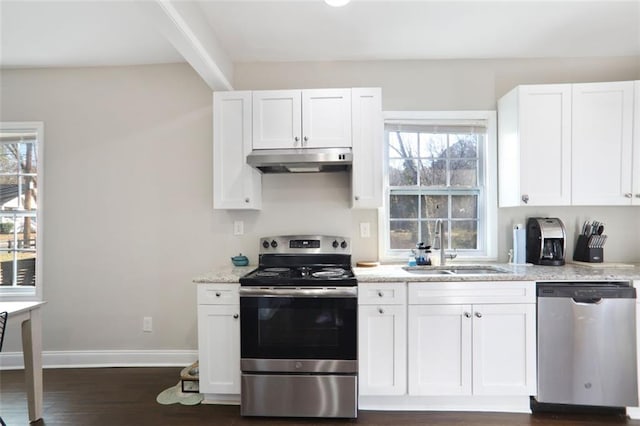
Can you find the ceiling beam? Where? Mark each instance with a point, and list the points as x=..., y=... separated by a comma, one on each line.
x=186, y=28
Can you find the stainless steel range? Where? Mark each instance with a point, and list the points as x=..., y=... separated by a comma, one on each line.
x=298, y=330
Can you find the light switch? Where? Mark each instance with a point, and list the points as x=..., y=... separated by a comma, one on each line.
x=365, y=230
x=238, y=227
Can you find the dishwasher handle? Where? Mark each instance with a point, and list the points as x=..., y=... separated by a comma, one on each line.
x=587, y=300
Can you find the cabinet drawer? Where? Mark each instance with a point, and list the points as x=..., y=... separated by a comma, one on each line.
x=218, y=294
x=443, y=293
x=382, y=293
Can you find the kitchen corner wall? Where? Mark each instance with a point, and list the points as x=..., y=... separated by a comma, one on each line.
x=128, y=180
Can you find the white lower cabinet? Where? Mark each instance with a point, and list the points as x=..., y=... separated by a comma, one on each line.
x=219, y=340
x=382, y=334
x=467, y=348
x=504, y=350
x=439, y=350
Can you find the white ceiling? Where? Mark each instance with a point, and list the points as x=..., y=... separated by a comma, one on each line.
x=88, y=33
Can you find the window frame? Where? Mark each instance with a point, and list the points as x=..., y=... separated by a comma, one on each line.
x=30, y=293
x=488, y=208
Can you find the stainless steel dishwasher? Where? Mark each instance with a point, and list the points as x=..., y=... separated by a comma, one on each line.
x=587, y=344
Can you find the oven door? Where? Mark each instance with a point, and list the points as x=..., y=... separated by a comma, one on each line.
x=298, y=325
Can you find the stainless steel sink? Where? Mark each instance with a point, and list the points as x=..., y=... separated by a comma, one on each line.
x=423, y=271
x=456, y=270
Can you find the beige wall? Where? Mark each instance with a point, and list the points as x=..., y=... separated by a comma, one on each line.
x=128, y=209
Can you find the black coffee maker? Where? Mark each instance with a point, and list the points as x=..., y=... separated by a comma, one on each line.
x=546, y=241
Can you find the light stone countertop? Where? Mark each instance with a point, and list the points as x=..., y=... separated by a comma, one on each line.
x=395, y=273
x=568, y=272
x=225, y=274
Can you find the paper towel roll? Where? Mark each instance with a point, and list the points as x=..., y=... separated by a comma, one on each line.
x=519, y=244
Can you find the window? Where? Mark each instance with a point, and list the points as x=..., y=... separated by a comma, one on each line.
x=440, y=166
x=20, y=198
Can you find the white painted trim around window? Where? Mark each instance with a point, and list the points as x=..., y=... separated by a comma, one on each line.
x=491, y=179
x=34, y=294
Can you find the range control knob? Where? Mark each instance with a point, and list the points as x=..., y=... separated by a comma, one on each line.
x=334, y=244
x=274, y=244
x=265, y=244
x=343, y=244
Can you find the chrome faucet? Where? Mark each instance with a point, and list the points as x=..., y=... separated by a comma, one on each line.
x=438, y=244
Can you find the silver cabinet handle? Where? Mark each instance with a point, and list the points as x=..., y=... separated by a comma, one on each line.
x=236, y=316
x=467, y=315
x=246, y=200
x=525, y=198
x=478, y=315
x=296, y=138
x=356, y=198
x=381, y=310
x=380, y=294
x=217, y=294
x=628, y=195
x=637, y=195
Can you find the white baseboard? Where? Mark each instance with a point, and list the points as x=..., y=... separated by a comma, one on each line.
x=87, y=359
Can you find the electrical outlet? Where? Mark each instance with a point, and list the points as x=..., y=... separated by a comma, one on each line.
x=238, y=227
x=147, y=324
x=365, y=230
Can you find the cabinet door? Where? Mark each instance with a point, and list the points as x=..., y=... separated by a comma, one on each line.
x=602, y=139
x=504, y=354
x=236, y=185
x=219, y=348
x=368, y=148
x=636, y=145
x=439, y=349
x=326, y=118
x=534, y=139
x=382, y=349
x=277, y=119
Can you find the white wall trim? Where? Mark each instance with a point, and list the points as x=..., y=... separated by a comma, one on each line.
x=87, y=359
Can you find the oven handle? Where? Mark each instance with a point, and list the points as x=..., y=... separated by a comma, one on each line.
x=344, y=292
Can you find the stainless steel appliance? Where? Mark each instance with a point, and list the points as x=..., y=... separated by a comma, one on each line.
x=546, y=241
x=298, y=330
x=301, y=160
x=587, y=344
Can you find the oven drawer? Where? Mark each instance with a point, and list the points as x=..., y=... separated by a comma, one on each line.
x=382, y=293
x=283, y=395
x=218, y=294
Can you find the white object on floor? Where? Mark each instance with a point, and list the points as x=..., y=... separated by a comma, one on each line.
x=175, y=395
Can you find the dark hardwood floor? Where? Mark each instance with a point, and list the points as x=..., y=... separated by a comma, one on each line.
x=127, y=396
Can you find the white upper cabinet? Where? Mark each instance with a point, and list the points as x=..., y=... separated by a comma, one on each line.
x=315, y=118
x=636, y=146
x=368, y=128
x=569, y=144
x=602, y=128
x=236, y=185
x=534, y=128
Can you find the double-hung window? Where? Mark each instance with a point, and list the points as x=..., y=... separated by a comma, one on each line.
x=20, y=202
x=440, y=167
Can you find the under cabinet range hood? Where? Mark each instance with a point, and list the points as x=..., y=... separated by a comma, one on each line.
x=301, y=160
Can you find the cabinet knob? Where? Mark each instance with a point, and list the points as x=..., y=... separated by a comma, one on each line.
x=628, y=195
x=478, y=315
x=246, y=200
x=306, y=138
x=525, y=198
x=356, y=198
x=467, y=315
x=381, y=310
x=638, y=195
x=235, y=316
x=380, y=294
x=296, y=138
